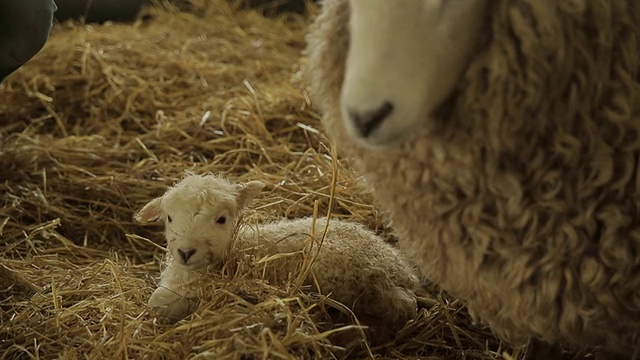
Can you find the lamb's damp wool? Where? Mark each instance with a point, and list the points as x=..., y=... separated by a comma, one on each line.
x=349, y=262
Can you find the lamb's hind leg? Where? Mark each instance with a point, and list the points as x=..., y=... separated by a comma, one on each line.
x=385, y=312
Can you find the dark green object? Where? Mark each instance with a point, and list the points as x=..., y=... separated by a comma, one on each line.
x=24, y=29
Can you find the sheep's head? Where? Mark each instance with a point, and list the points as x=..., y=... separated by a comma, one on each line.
x=405, y=58
x=200, y=213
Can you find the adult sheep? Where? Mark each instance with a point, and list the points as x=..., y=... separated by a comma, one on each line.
x=503, y=139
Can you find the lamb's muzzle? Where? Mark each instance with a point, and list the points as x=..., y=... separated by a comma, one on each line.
x=186, y=254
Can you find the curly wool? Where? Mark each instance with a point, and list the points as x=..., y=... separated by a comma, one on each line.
x=521, y=196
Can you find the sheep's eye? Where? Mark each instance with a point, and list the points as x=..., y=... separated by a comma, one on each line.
x=221, y=220
x=169, y=219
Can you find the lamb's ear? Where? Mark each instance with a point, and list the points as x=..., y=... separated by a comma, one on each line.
x=247, y=191
x=150, y=212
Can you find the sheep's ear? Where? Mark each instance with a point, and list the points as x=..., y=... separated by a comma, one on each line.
x=247, y=191
x=150, y=212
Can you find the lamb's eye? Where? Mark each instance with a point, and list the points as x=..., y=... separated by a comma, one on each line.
x=221, y=220
x=169, y=219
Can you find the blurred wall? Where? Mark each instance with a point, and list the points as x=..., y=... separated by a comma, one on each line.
x=98, y=10
x=126, y=10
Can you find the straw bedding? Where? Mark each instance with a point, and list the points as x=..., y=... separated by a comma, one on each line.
x=106, y=117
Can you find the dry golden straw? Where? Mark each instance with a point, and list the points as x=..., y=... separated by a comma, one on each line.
x=102, y=121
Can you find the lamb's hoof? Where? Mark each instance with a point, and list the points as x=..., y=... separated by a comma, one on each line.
x=403, y=306
x=171, y=307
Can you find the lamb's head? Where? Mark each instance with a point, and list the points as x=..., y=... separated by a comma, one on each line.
x=405, y=58
x=200, y=213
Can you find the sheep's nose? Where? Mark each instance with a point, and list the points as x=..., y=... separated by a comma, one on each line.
x=186, y=254
x=367, y=121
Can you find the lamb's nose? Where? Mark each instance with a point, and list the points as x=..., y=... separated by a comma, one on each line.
x=186, y=254
x=368, y=121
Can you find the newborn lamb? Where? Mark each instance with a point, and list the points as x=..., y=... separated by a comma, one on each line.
x=353, y=265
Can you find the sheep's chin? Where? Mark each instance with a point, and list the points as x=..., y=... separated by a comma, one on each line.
x=377, y=142
x=389, y=136
x=392, y=132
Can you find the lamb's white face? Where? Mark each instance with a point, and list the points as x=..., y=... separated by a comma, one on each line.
x=198, y=235
x=405, y=59
x=200, y=214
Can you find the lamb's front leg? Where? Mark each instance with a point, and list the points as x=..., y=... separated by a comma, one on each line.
x=174, y=299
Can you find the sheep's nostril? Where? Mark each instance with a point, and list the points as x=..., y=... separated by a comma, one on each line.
x=186, y=254
x=366, y=122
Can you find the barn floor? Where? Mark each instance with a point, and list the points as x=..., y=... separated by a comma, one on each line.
x=107, y=116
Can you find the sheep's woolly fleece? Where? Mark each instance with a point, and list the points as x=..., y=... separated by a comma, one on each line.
x=86, y=129
x=521, y=196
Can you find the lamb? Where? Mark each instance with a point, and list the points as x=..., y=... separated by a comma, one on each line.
x=353, y=265
x=516, y=186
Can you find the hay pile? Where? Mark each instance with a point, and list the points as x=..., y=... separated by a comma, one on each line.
x=101, y=121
